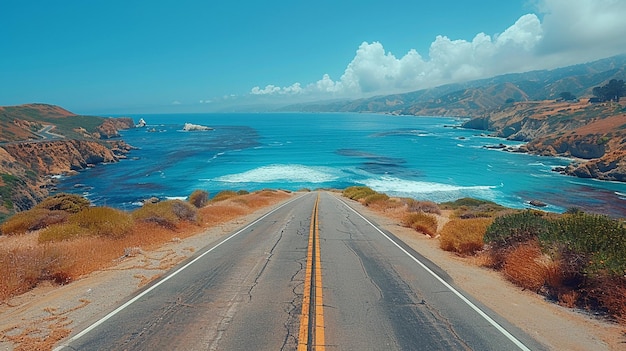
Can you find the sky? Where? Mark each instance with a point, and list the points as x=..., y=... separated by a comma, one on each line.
x=162, y=56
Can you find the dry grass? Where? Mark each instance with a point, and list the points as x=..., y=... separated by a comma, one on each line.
x=421, y=222
x=464, y=236
x=422, y=206
x=463, y=224
x=25, y=261
x=526, y=266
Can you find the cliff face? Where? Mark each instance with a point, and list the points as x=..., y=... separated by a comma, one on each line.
x=28, y=158
x=57, y=157
x=110, y=127
x=34, y=162
x=593, y=133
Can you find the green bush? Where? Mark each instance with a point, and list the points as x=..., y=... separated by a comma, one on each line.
x=474, y=208
x=516, y=228
x=103, y=221
x=198, y=198
x=466, y=202
x=599, y=240
x=358, y=192
x=64, y=202
x=166, y=213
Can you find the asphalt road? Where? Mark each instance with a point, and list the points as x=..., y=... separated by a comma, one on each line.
x=246, y=293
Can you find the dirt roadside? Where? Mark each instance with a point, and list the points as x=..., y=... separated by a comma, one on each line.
x=39, y=319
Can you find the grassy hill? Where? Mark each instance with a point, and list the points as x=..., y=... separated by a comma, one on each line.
x=18, y=123
x=28, y=157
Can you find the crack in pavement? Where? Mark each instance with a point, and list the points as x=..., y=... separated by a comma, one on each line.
x=255, y=282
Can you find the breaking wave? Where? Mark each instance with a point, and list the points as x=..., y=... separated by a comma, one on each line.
x=282, y=173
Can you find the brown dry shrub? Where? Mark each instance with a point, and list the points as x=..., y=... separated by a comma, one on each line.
x=198, y=198
x=34, y=219
x=421, y=222
x=610, y=295
x=375, y=198
x=526, y=266
x=385, y=205
x=24, y=262
x=20, y=268
x=103, y=221
x=223, y=195
x=422, y=206
x=464, y=236
x=70, y=203
x=167, y=214
x=62, y=231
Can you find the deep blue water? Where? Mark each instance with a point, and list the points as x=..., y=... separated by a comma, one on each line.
x=419, y=157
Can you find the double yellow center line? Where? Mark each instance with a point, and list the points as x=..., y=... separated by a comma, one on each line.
x=311, y=336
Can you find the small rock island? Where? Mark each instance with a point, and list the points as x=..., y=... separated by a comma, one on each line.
x=195, y=127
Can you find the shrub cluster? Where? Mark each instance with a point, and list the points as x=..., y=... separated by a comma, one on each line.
x=422, y=206
x=81, y=242
x=574, y=257
x=464, y=236
x=198, y=198
x=34, y=219
x=223, y=195
x=358, y=192
x=473, y=208
x=516, y=228
x=70, y=203
x=421, y=222
x=166, y=213
x=92, y=221
x=369, y=197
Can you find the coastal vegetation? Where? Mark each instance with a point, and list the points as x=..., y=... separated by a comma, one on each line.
x=64, y=238
x=575, y=259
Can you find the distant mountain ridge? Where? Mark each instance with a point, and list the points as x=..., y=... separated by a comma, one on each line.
x=473, y=98
x=525, y=107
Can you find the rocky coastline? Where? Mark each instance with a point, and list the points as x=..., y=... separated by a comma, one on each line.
x=29, y=166
x=594, y=135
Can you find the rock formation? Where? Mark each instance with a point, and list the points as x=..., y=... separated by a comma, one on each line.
x=195, y=127
x=595, y=134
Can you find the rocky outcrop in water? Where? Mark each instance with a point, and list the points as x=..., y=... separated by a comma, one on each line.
x=188, y=127
x=595, y=134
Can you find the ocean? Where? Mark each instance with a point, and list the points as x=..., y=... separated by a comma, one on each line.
x=426, y=158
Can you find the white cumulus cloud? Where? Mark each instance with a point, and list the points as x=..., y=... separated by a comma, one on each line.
x=569, y=33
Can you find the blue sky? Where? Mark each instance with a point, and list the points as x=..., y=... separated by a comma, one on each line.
x=199, y=56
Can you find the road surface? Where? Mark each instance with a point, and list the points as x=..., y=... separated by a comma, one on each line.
x=313, y=274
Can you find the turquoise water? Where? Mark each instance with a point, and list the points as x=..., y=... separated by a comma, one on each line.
x=420, y=157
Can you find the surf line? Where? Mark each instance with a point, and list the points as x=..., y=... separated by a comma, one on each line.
x=311, y=335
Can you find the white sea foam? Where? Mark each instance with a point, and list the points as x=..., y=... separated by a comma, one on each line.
x=435, y=191
x=282, y=173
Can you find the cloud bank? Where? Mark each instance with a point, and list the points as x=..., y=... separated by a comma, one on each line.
x=567, y=34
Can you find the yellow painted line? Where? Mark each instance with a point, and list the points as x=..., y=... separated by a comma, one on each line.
x=303, y=335
x=313, y=271
x=319, y=344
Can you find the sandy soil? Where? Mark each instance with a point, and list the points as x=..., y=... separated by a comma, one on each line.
x=38, y=319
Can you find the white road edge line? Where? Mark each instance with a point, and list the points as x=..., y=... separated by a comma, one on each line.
x=131, y=301
x=495, y=324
